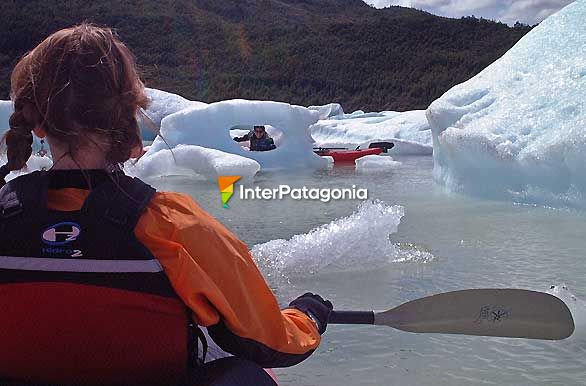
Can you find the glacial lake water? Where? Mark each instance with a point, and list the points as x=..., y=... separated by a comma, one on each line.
x=444, y=242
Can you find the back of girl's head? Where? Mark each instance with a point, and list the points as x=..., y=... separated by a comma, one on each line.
x=80, y=81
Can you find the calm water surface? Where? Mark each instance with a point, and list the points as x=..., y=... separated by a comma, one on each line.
x=475, y=243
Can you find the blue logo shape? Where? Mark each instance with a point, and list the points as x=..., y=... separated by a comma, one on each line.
x=61, y=233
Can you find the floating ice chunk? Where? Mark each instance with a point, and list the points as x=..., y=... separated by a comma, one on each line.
x=190, y=160
x=328, y=111
x=361, y=239
x=409, y=131
x=209, y=126
x=376, y=164
x=518, y=129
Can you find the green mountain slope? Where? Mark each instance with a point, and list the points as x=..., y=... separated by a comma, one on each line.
x=299, y=51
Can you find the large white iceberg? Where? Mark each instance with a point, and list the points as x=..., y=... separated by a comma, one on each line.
x=209, y=127
x=518, y=129
x=409, y=131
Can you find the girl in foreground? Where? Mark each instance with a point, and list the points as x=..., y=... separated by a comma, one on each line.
x=103, y=280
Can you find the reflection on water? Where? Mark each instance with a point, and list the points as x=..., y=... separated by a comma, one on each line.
x=474, y=243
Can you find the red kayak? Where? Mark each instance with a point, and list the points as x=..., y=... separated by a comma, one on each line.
x=343, y=155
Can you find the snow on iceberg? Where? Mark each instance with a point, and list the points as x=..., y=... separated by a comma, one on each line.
x=409, y=131
x=329, y=110
x=209, y=127
x=161, y=104
x=518, y=129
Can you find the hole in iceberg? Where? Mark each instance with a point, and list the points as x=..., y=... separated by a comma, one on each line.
x=257, y=137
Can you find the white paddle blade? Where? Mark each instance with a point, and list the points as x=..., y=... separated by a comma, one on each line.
x=488, y=312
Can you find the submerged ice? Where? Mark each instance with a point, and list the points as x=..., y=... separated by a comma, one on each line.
x=518, y=129
x=360, y=239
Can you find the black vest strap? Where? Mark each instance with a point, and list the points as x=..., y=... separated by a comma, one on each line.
x=121, y=201
x=15, y=197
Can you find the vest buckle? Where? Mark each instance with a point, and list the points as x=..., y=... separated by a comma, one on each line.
x=12, y=210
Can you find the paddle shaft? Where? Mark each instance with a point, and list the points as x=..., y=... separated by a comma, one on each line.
x=351, y=317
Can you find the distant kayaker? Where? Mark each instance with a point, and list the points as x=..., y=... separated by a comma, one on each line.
x=103, y=280
x=259, y=139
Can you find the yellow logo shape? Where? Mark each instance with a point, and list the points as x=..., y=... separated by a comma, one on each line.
x=226, y=184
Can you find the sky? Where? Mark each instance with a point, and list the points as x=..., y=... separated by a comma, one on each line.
x=506, y=11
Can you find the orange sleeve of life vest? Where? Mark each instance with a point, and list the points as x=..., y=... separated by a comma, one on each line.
x=214, y=274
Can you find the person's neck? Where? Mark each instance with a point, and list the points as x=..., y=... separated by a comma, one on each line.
x=80, y=161
x=86, y=157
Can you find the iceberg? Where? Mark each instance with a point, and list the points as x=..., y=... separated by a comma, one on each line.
x=518, y=129
x=190, y=160
x=209, y=127
x=163, y=103
x=409, y=131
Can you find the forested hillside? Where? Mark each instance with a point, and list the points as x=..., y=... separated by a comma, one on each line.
x=299, y=51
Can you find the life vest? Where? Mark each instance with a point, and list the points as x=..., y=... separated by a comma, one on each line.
x=83, y=301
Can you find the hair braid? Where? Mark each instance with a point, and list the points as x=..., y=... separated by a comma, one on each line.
x=19, y=140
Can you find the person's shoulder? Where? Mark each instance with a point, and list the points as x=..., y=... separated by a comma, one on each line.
x=176, y=208
x=181, y=210
x=182, y=215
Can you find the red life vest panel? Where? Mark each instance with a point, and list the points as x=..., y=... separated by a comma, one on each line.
x=83, y=301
